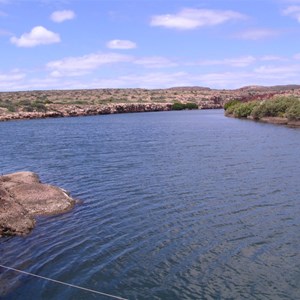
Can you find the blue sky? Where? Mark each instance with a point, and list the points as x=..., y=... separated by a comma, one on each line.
x=76, y=44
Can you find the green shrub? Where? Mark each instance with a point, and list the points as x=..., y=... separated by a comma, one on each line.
x=28, y=108
x=181, y=106
x=191, y=106
x=244, y=110
x=293, y=112
x=258, y=111
x=230, y=109
x=8, y=105
x=178, y=106
x=11, y=108
x=231, y=103
x=39, y=106
x=274, y=108
x=24, y=103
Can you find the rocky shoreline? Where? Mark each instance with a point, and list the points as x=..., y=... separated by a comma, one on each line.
x=279, y=121
x=271, y=120
x=23, y=197
x=58, y=111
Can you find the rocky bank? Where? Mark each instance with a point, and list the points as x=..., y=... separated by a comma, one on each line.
x=58, y=110
x=23, y=197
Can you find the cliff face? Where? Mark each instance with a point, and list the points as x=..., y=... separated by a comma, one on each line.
x=56, y=110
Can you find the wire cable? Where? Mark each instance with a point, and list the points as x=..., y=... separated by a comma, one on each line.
x=64, y=283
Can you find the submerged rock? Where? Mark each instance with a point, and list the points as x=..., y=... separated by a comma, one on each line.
x=22, y=197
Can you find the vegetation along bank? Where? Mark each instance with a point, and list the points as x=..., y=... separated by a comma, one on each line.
x=280, y=110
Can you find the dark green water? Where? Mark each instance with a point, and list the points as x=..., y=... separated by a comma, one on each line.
x=176, y=205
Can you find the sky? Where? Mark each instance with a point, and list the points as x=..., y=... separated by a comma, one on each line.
x=87, y=44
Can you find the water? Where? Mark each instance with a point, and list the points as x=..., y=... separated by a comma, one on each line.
x=176, y=205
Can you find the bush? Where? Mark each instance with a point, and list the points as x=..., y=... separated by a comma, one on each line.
x=230, y=109
x=244, y=110
x=28, y=108
x=274, y=108
x=257, y=111
x=177, y=106
x=231, y=103
x=191, y=106
x=38, y=106
x=293, y=112
x=181, y=106
x=11, y=108
x=8, y=105
x=24, y=103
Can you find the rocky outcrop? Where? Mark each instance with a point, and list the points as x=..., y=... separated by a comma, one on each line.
x=214, y=103
x=22, y=197
x=57, y=110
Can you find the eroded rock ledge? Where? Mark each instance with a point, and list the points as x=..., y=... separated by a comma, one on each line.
x=23, y=197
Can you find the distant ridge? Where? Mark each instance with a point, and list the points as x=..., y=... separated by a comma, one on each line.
x=269, y=88
x=242, y=89
x=186, y=88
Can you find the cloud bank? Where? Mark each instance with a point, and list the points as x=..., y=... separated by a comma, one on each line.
x=194, y=18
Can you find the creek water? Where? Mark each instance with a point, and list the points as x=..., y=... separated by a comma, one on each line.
x=174, y=205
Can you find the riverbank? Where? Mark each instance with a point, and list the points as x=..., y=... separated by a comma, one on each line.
x=58, y=110
x=280, y=110
x=66, y=103
x=271, y=120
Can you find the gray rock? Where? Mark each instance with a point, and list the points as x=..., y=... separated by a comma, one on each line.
x=23, y=196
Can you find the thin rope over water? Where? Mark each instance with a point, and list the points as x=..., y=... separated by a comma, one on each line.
x=64, y=283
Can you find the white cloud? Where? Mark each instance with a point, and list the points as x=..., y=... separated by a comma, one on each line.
x=62, y=15
x=293, y=11
x=272, y=58
x=121, y=44
x=240, y=62
x=77, y=66
x=155, y=62
x=156, y=80
x=193, y=18
x=263, y=75
x=9, y=80
x=280, y=71
x=257, y=34
x=224, y=79
x=39, y=35
x=12, y=75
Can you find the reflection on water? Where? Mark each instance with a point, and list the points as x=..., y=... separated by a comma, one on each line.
x=176, y=205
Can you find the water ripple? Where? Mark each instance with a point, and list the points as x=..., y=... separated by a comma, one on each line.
x=180, y=205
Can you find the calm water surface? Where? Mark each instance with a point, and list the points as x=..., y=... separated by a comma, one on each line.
x=176, y=205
